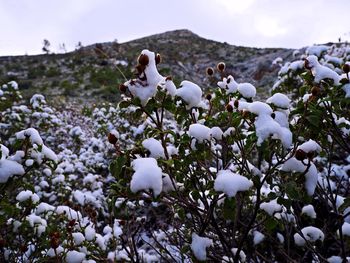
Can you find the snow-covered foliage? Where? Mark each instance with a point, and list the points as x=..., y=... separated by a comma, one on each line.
x=170, y=176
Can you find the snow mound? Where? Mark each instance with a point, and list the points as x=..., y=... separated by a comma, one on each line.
x=191, y=93
x=147, y=176
x=310, y=234
x=199, y=245
x=231, y=183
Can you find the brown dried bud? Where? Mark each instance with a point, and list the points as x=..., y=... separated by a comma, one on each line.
x=55, y=234
x=123, y=88
x=54, y=242
x=158, y=58
x=23, y=248
x=245, y=113
x=315, y=91
x=346, y=68
x=168, y=78
x=273, y=115
x=221, y=66
x=236, y=103
x=208, y=97
x=140, y=69
x=2, y=243
x=300, y=155
x=112, y=139
x=71, y=222
x=229, y=108
x=344, y=81
x=210, y=71
x=310, y=155
x=143, y=60
x=307, y=64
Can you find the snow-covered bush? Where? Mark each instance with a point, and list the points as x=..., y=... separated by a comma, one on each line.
x=181, y=174
x=239, y=179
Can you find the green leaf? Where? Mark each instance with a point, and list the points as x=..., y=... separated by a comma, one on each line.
x=124, y=104
x=229, y=209
x=345, y=205
x=271, y=224
x=117, y=166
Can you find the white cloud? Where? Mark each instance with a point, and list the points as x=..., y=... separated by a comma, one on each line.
x=269, y=27
x=264, y=23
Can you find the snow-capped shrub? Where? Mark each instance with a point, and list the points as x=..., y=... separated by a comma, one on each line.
x=260, y=184
x=168, y=175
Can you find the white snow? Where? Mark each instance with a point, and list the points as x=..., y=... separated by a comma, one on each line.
x=321, y=72
x=90, y=233
x=69, y=212
x=310, y=234
x=155, y=147
x=217, y=133
x=271, y=207
x=147, y=176
x=334, y=259
x=311, y=177
x=247, y=90
x=170, y=87
x=4, y=152
x=74, y=256
x=146, y=89
x=8, y=169
x=199, y=245
x=228, y=84
x=279, y=100
x=27, y=194
x=267, y=126
x=258, y=237
x=78, y=238
x=309, y=210
x=316, y=50
x=200, y=132
x=346, y=229
x=231, y=183
x=242, y=255
x=310, y=146
x=117, y=231
x=259, y=108
x=48, y=153
x=346, y=89
x=32, y=134
x=191, y=93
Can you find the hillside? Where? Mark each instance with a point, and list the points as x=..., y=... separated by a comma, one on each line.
x=88, y=74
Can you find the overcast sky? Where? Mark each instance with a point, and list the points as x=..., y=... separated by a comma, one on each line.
x=259, y=23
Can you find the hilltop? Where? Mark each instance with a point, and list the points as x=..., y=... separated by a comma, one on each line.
x=90, y=73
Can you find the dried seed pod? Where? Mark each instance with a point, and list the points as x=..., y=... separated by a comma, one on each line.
x=229, y=108
x=210, y=71
x=168, y=78
x=112, y=139
x=315, y=91
x=300, y=155
x=208, y=97
x=54, y=242
x=346, y=68
x=143, y=60
x=221, y=66
x=236, y=103
x=158, y=59
x=123, y=88
x=310, y=155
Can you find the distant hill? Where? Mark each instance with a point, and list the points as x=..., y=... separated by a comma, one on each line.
x=91, y=73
